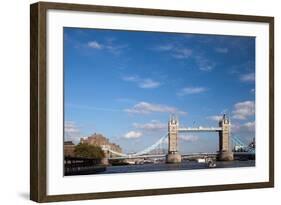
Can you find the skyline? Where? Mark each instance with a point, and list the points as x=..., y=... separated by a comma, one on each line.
x=125, y=84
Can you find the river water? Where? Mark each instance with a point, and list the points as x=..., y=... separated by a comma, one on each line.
x=185, y=165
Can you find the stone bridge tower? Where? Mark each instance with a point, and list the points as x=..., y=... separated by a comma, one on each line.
x=173, y=155
x=225, y=152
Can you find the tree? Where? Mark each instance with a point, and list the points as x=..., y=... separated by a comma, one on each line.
x=88, y=151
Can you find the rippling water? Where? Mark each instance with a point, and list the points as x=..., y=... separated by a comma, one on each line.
x=185, y=165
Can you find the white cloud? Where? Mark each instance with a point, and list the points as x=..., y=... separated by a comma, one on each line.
x=116, y=49
x=248, y=127
x=242, y=67
x=147, y=108
x=133, y=135
x=215, y=117
x=148, y=83
x=71, y=131
x=188, y=138
x=249, y=77
x=109, y=46
x=182, y=53
x=151, y=126
x=176, y=51
x=142, y=82
x=245, y=132
x=221, y=50
x=167, y=47
x=95, y=45
x=242, y=110
x=204, y=64
x=130, y=78
x=191, y=90
x=70, y=127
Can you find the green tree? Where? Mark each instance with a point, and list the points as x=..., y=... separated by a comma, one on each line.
x=88, y=151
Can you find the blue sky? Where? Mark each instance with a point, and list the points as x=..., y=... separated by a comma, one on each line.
x=125, y=84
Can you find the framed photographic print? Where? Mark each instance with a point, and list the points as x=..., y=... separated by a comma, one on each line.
x=135, y=102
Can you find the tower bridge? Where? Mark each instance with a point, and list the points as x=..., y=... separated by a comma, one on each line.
x=173, y=156
x=225, y=152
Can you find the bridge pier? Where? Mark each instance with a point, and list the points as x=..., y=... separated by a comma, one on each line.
x=225, y=156
x=225, y=152
x=173, y=155
x=173, y=158
x=105, y=160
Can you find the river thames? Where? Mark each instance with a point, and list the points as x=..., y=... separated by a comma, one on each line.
x=185, y=165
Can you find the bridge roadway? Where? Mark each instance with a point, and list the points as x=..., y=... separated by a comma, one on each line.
x=184, y=156
x=200, y=129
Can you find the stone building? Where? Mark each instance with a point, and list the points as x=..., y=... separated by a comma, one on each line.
x=101, y=141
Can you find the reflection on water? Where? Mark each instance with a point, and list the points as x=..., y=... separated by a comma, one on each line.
x=185, y=165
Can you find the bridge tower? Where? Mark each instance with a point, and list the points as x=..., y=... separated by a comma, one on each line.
x=173, y=155
x=225, y=152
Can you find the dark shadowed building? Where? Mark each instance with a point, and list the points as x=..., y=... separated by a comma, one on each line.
x=68, y=149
